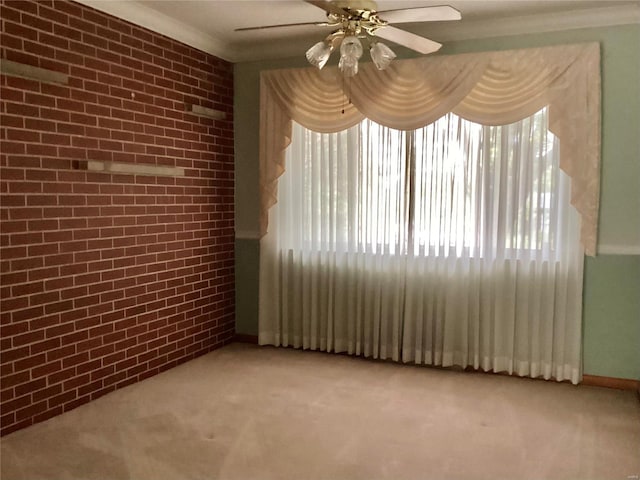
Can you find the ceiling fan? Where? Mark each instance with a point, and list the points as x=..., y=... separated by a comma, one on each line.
x=354, y=20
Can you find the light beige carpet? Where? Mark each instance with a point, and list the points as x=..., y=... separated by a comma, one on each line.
x=248, y=412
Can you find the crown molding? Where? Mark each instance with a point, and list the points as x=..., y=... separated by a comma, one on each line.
x=158, y=22
x=143, y=16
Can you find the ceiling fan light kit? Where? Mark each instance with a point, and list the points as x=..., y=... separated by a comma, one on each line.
x=381, y=55
x=318, y=55
x=359, y=19
x=350, y=52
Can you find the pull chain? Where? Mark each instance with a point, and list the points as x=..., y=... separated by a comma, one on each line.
x=344, y=94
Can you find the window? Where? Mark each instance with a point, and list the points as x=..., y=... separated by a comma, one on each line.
x=451, y=188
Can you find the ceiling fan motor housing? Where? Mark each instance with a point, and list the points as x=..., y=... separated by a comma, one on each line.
x=354, y=5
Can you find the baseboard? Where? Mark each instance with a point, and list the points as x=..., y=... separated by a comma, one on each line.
x=611, y=382
x=244, y=338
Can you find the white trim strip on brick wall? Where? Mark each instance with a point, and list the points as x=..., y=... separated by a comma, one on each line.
x=207, y=112
x=134, y=168
x=15, y=69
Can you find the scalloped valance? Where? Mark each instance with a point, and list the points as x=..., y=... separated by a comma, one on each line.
x=489, y=88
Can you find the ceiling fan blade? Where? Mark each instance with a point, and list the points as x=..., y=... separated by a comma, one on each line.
x=408, y=39
x=328, y=7
x=421, y=14
x=318, y=24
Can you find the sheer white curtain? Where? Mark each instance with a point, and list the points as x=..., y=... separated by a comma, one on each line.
x=454, y=244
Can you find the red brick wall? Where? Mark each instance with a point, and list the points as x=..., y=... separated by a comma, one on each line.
x=108, y=279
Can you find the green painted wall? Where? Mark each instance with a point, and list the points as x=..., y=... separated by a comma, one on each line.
x=247, y=263
x=612, y=282
x=612, y=316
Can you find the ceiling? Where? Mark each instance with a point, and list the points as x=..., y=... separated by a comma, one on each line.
x=210, y=24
